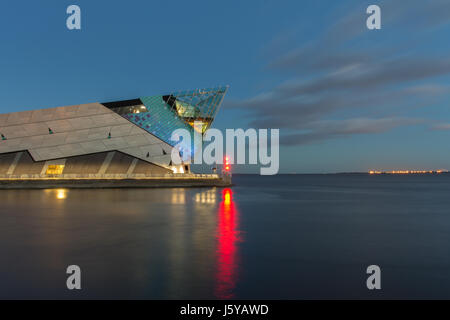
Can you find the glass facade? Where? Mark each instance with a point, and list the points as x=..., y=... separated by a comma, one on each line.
x=130, y=109
x=162, y=114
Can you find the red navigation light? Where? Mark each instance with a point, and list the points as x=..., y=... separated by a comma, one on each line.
x=226, y=166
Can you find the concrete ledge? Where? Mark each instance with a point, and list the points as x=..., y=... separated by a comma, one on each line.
x=153, y=182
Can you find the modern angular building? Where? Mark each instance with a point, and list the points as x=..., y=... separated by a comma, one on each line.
x=129, y=138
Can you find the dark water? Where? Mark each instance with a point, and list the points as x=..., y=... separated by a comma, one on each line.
x=281, y=237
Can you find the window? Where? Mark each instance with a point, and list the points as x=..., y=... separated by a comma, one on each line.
x=55, y=169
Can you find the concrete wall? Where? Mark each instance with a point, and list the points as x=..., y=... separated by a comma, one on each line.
x=170, y=181
x=89, y=163
x=26, y=165
x=18, y=163
x=148, y=168
x=120, y=163
x=6, y=161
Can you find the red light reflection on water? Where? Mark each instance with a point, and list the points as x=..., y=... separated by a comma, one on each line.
x=227, y=237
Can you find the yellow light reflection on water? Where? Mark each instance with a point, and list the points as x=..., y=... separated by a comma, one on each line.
x=61, y=194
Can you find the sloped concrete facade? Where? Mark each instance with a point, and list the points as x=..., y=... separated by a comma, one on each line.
x=68, y=132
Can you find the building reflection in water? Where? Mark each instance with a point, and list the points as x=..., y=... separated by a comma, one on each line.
x=227, y=238
x=208, y=196
x=178, y=196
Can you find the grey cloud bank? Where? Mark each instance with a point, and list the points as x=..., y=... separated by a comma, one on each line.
x=352, y=81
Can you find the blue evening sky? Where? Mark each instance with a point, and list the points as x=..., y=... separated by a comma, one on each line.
x=345, y=98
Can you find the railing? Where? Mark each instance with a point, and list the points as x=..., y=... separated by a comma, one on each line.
x=175, y=176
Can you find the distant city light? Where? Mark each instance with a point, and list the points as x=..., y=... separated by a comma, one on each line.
x=408, y=171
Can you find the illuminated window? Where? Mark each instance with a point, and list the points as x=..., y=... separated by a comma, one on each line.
x=55, y=169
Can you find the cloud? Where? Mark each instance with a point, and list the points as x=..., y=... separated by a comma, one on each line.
x=330, y=49
x=371, y=76
x=349, y=80
x=441, y=126
x=329, y=129
x=295, y=113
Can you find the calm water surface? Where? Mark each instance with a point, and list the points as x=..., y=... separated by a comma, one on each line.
x=281, y=237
